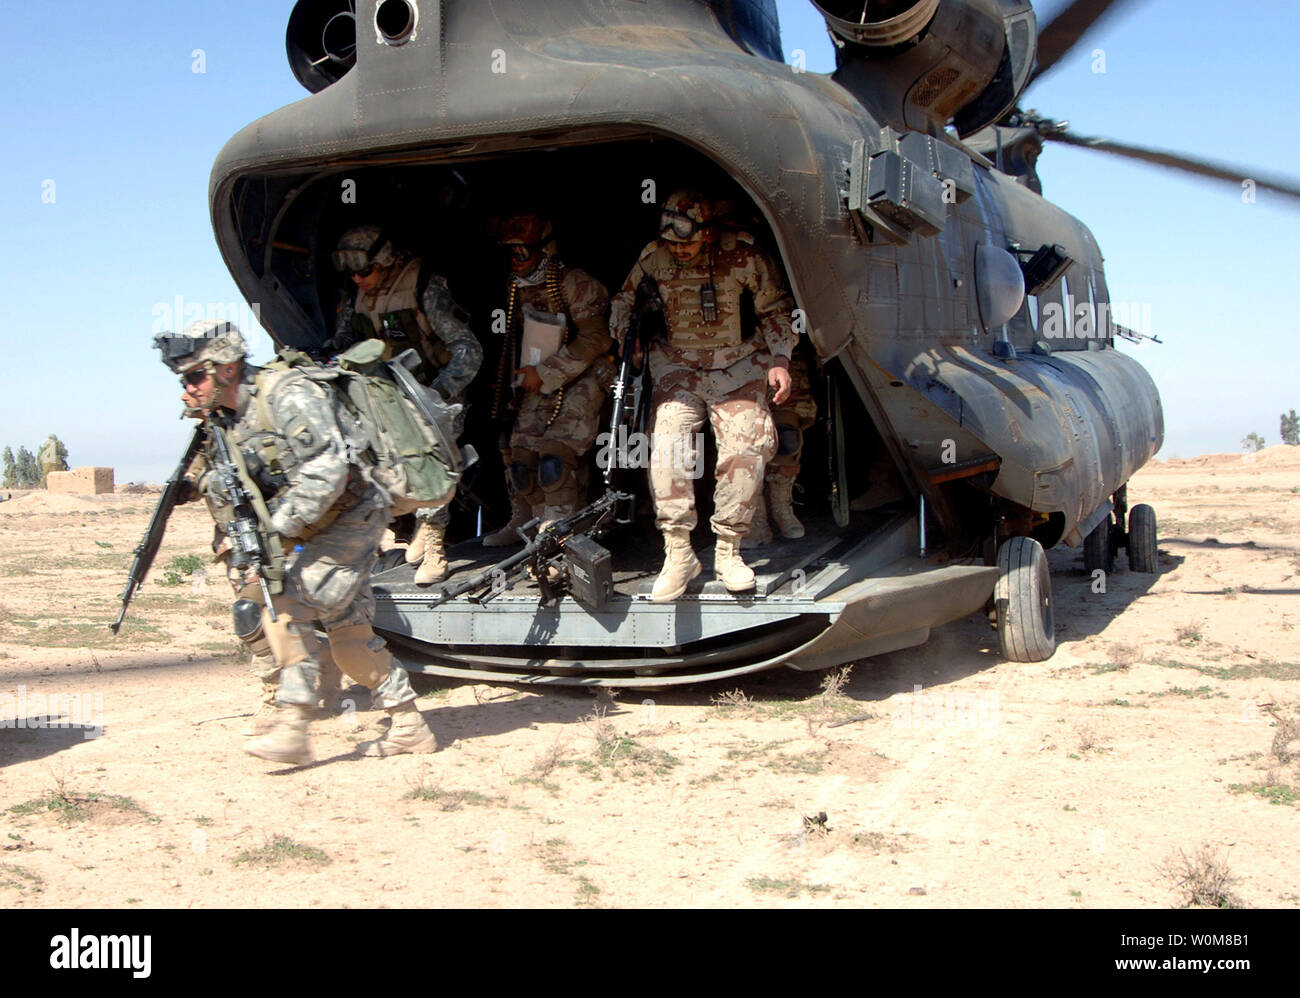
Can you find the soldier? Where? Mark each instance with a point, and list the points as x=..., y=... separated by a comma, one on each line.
x=709, y=369
x=400, y=302
x=330, y=517
x=557, y=351
x=792, y=418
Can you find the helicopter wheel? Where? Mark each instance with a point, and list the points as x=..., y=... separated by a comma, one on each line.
x=1142, y=540
x=1099, y=548
x=1023, y=597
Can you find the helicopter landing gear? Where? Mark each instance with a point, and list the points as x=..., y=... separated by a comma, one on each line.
x=1023, y=601
x=1099, y=548
x=1142, y=540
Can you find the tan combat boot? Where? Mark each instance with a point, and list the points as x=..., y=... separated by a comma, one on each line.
x=507, y=536
x=415, y=549
x=433, y=567
x=287, y=740
x=780, y=506
x=760, y=531
x=680, y=566
x=409, y=733
x=264, y=718
x=731, y=568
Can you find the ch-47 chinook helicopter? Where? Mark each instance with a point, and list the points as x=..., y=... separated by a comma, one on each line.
x=973, y=407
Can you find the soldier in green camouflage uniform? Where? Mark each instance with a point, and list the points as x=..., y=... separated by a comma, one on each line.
x=329, y=516
x=406, y=306
x=560, y=395
x=709, y=369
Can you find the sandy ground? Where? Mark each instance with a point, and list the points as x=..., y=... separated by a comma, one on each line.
x=947, y=776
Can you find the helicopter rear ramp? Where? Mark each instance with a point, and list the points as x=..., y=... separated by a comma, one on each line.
x=818, y=603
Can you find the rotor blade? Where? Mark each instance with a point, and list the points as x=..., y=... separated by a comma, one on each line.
x=1056, y=38
x=1199, y=167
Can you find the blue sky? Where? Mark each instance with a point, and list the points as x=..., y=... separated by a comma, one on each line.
x=103, y=101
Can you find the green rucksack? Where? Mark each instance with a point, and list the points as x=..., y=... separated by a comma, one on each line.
x=408, y=442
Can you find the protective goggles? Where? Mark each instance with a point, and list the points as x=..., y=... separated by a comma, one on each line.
x=522, y=251
x=673, y=224
x=195, y=377
x=175, y=348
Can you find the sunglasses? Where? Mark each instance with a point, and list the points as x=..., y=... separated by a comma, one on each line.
x=364, y=273
x=195, y=377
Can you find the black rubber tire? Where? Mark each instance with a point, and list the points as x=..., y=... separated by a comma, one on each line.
x=1023, y=597
x=1098, y=551
x=1142, y=555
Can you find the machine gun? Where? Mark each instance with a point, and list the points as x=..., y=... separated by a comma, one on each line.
x=147, y=549
x=252, y=544
x=563, y=557
x=631, y=392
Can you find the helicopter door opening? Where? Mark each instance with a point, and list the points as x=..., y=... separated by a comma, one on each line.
x=603, y=200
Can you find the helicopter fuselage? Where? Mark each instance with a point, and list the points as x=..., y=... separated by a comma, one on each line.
x=895, y=243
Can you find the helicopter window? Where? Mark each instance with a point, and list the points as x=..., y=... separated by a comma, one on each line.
x=1093, y=329
x=1067, y=308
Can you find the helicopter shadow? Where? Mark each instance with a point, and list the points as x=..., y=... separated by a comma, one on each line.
x=20, y=744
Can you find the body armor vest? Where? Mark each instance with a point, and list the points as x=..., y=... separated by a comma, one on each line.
x=681, y=288
x=394, y=315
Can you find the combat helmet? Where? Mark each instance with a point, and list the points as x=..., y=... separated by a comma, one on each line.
x=363, y=248
x=684, y=215
x=207, y=341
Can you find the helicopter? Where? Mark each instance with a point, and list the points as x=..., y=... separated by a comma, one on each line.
x=973, y=408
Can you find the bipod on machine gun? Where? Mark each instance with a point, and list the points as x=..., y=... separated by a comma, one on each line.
x=631, y=392
x=563, y=557
x=147, y=549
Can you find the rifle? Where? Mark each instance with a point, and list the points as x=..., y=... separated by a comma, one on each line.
x=147, y=549
x=562, y=558
x=252, y=543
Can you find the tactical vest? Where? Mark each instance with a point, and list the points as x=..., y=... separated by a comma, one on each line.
x=680, y=288
x=395, y=315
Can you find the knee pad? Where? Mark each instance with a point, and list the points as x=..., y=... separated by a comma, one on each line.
x=248, y=627
x=789, y=440
x=551, y=470
x=361, y=654
x=521, y=477
x=286, y=640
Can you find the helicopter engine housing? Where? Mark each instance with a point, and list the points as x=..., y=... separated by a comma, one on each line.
x=927, y=63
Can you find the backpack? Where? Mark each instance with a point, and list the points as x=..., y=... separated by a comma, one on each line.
x=403, y=430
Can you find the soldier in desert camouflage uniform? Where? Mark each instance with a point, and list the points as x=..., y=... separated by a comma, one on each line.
x=562, y=394
x=406, y=306
x=792, y=417
x=330, y=518
x=708, y=369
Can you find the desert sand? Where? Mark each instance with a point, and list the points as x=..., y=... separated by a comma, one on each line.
x=1163, y=729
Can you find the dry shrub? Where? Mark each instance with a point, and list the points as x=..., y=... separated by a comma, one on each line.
x=1202, y=879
